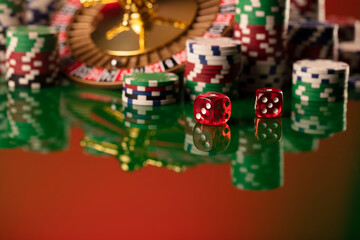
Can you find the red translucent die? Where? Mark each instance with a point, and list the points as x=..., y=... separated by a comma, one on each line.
x=268, y=102
x=212, y=108
x=268, y=130
x=211, y=138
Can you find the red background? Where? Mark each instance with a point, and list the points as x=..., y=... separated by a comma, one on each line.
x=73, y=196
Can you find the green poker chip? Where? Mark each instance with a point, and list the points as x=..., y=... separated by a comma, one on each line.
x=151, y=79
x=31, y=31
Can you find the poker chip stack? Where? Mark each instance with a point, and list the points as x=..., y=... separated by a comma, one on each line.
x=31, y=56
x=33, y=115
x=149, y=117
x=320, y=80
x=11, y=14
x=318, y=119
x=213, y=65
x=303, y=10
x=312, y=40
x=349, y=52
x=262, y=26
x=150, y=89
x=347, y=26
x=39, y=12
x=257, y=165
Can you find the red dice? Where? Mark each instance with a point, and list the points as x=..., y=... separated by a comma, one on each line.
x=268, y=130
x=212, y=108
x=211, y=138
x=268, y=102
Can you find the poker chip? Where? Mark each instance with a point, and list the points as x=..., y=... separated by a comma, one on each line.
x=320, y=80
x=213, y=64
x=349, y=52
x=306, y=10
x=31, y=56
x=150, y=89
x=319, y=119
x=148, y=102
x=312, y=40
x=151, y=79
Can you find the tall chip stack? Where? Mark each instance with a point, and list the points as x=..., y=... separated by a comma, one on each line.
x=304, y=10
x=213, y=65
x=312, y=40
x=31, y=57
x=257, y=166
x=12, y=13
x=349, y=52
x=262, y=25
x=39, y=12
x=320, y=80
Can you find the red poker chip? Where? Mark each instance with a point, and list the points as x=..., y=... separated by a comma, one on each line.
x=189, y=69
x=150, y=89
x=40, y=55
x=210, y=80
x=201, y=75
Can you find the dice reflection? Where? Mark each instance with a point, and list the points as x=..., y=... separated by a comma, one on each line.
x=211, y=138
x=268, y=130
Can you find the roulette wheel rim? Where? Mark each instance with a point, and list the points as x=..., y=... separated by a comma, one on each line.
x=213, y=17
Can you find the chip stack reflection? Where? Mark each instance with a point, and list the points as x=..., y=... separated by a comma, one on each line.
x=318, y=119
x=34, y=117
x=258, y=164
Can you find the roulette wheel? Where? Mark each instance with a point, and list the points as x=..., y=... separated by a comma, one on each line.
x=102, y=40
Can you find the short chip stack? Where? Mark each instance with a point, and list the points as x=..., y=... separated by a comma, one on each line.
x=349, y=52
x=213, y=65
x=303, y=10
x=150, y=89
x=312, y=40
x=12, y=13
x=347, y=26
x=31, y=56
x=318, y=119
x=262, y=27
x=320, y=80
x=257, y=166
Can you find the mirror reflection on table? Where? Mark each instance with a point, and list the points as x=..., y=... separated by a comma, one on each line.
x=167, y=136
